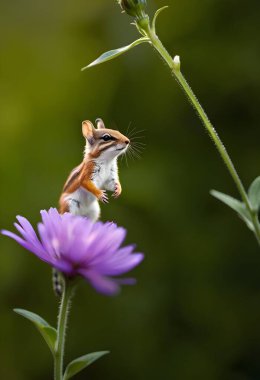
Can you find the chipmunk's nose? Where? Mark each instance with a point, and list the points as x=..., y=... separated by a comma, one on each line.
x=127, y=142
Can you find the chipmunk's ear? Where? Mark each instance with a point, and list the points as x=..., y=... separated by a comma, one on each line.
x=100, y=124
x=88, y=131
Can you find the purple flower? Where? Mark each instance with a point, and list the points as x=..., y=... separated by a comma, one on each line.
x=78, y=247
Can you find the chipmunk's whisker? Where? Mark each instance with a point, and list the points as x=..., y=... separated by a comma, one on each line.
x=135, y=155
x=139, y=130
x=129, y=153
x=133, y=152
x=139, y=151
x=138, y=147
x=124, y=157
x=137, y=143
x=134, y=133
x=131, y=132
x=128, y=127
x=136, y=138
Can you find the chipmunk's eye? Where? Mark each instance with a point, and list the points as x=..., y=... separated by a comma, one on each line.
x=106, y=137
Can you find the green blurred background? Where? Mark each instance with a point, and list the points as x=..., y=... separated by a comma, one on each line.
x=195, y=312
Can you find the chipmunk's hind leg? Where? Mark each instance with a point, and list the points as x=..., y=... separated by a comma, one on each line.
x=69, y=204
x=63, y=204
x=94, y=211
x=74, y=206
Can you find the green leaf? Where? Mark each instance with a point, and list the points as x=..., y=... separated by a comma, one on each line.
x=157, y=14
x=254, y=194
x=79, y=364
x=236, y=205
x=49, y=333
x=115, y=53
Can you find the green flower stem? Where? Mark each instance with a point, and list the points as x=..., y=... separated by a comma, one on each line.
x=157, y=44
x=61, y=329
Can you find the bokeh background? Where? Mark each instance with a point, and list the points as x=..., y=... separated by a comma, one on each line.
x=195, y=312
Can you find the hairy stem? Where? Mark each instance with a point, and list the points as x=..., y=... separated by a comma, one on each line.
x=61, y=329
x=157, y=44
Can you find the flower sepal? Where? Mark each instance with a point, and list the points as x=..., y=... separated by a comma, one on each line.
x=134, y=8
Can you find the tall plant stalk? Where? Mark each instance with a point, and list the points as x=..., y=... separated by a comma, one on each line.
x=249, y=207
x=174, y=65
x=61, y=330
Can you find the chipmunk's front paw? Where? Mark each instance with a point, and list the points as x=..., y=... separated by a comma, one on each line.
x=103, y=196
x=118, y=190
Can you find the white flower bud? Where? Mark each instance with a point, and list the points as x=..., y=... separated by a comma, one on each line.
x=177, y=62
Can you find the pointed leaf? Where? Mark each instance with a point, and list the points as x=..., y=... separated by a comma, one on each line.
x=79, y=364
x=115, y=53
x=157, y=14
x=254, y=194
x=49, y=333
x=236, y=205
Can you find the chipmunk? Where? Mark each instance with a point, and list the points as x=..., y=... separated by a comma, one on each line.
x=98, y=172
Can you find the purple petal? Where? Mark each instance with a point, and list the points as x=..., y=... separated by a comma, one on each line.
x=77, y=246
x=64, y=267
x=32, y=239
x=52, y=220
x=27, y=227
x=106, y=244
x=17, y=238
x=45, y=239
x=102, y=284
x=115, y=268
x=27, y=245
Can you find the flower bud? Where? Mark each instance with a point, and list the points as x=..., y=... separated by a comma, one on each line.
x=134, y=8
x=177, y=62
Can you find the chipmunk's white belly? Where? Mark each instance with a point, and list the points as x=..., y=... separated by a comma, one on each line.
x=101, y=174
x=82, y=202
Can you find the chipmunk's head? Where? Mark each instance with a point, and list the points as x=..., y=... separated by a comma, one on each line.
x=102, y=142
